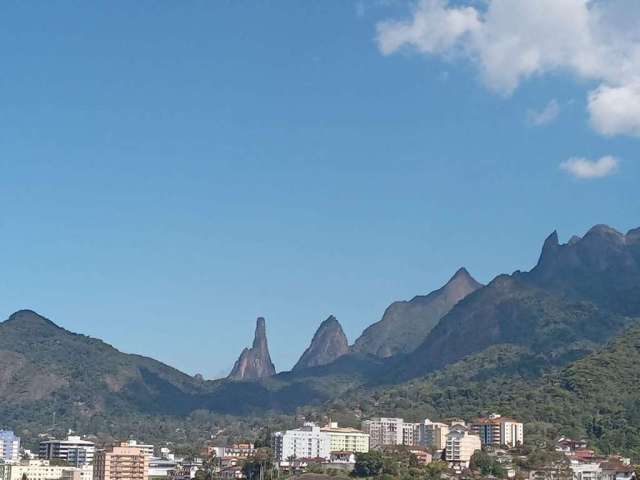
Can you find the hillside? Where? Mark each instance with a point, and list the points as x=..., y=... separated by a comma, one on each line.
x=406, y=324
x=597, y=396
x=46, y=368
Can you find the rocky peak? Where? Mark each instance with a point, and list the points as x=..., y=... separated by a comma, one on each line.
x=406, y=324
x=28, y=319
x=328, y=343
x=254, y=362
x=460, y=285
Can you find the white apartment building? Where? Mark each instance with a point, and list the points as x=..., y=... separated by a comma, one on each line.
x=346, y=439
x=74, y=450
x=461, y=445
x=306, y=442
x=390, y=431
x=497, y=430
x=9, y=446
x=43, y=470
x=433, y=434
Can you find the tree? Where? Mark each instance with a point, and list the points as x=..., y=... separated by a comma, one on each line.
x=368, y=464
x=433, y=471
x=486, y=464
x=259, y=466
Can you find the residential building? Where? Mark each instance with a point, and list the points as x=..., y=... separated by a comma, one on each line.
x=410, y=432
x=586, y=471
x=241, y=450
x=343, y=439
x=497, y=430
x=160, y=468
x=390, y=431
x=568, y=445
x=43, y=470
x=9, y=446
x=84, y=472
x=461, y=445
x=121, y=462
x=423, y=456
x=433, y=434
x=146, y=449
x=617, y=471
x=74, y=450
x=306, y=442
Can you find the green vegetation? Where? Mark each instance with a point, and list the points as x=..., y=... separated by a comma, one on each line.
x=595, y=397
x=486, y=465
x=397, y=463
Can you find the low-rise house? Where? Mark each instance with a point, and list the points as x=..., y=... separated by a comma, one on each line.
x=617, y=471
x=568, y=446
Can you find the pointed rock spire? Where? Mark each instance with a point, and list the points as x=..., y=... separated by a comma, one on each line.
x=254, y=362
x=328, y=343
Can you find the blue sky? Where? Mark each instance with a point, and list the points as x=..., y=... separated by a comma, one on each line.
x=172, y=170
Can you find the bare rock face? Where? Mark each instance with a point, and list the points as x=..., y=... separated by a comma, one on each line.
x=406, y=324
x=603, y=267
x=328, y=343
x=255, y=362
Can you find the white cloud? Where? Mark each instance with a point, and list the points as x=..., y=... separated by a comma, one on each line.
x=616, y=110
x=433, y=29
x=545, y=116
x=587, y=169
x=510, y=41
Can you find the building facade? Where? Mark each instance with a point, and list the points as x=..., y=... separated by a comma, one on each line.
x=145, y=448
x=497, y=430
x=390, y=431
x=461, y=445
x=122, y=462
x=307, y=442
x=74, y=450
x=343, y=439
x=9, y=446
x=433, y=434
x=43, y=470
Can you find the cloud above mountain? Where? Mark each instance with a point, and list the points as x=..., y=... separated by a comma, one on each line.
x=510, y=41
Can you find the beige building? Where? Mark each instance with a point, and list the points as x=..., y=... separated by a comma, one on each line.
x=461, y=445
x=497, y=430
x=433, y=434
x=122, y=462
x=346, y=439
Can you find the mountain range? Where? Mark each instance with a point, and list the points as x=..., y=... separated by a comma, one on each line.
x=579, y=296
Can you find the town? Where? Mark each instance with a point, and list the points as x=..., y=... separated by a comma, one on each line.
x=489, y=447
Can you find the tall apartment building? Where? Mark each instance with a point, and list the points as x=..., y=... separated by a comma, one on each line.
x=74, y=450
x=346, y=439
x=309, y=441
x=461, y=445
x=390, y=431
x=121, y=462
x=498, y=430
x=9, y=446
x=433, y=434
